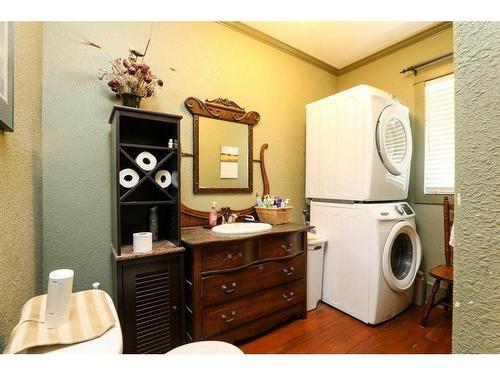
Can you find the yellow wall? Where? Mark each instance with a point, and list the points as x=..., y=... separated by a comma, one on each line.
x=224, y=63
x=20, y=182
x=384, y=74
x=210, y=61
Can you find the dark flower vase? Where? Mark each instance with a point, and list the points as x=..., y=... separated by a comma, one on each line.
x=131, y=100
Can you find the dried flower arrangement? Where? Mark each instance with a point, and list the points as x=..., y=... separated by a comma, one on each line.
x=129, y=76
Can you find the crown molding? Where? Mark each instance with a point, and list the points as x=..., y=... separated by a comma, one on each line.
x=283, y=47
x=273, y=42
x=432, y=30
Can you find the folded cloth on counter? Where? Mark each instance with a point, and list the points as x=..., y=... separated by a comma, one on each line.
x=452, y=235
x=89, y=318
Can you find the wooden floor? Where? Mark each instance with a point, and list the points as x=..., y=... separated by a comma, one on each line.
x=327, y=330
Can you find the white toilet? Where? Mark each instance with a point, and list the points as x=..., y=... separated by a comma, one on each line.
x=207, y=347
x=110, y=342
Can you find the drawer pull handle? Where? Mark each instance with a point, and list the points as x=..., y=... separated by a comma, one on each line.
x=230, y=256
x=229, y=318
x=228, y=290
x=287, y=247
x=261, y=267
x=288, y=272
x=288, y=297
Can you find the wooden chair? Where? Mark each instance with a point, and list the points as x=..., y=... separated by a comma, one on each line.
x=442, y=272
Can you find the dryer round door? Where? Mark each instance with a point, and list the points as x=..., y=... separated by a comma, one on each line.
x=394, y=141
x=401, y=256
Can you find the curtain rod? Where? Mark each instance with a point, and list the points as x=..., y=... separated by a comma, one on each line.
x=415, y=67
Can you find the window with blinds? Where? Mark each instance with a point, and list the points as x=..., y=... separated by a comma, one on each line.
x=439, y=167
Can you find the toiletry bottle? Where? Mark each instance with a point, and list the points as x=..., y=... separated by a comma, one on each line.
x=278, y=202
x=170, y=143
x=258, y=201
x=212, y=217
x=153, y=222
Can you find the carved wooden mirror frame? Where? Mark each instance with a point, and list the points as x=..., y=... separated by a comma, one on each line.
x=191, y=217
x=226, y=110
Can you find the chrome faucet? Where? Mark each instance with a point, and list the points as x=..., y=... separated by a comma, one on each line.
x=250, y=218
x=225, y=214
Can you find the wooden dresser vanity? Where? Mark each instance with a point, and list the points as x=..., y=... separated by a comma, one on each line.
x=240, y=285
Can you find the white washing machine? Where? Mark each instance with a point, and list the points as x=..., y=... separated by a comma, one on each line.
x=371, y=259
x=358, y=147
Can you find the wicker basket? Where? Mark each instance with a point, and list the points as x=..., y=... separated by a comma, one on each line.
x=274, y=215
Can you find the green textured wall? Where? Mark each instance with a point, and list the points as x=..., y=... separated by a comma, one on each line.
x=384, y=74
x=21, y=182
x=76, y=107
x=476, y=313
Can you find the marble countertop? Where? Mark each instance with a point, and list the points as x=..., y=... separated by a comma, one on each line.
x=194, y=236
x=159, y=248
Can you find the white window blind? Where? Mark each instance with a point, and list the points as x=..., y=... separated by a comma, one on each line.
x=439, y=168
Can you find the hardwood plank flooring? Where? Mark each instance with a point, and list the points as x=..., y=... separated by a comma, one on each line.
x=328, y=330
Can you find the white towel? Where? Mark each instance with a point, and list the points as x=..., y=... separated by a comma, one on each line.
x=90, y=317
x=452, y=235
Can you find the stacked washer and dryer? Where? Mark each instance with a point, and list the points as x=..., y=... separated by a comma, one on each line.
x=358, y=157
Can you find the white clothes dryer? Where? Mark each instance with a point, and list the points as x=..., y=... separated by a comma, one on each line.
x=371, y=258
x=358, y=147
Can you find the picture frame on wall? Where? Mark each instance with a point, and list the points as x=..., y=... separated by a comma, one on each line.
x=7, y=76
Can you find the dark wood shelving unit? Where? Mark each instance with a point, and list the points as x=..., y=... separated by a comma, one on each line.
x=146, y=146
x=149, y=286
x=132, y=203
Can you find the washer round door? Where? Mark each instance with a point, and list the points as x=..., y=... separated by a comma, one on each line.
x=394, y=141
x=401, y=257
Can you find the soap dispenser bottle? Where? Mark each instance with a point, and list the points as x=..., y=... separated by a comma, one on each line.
x=212, y=217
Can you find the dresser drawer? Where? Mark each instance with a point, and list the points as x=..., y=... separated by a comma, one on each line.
x=231, y=314
x=222, y=287
x=215, y=258
x=281, y=246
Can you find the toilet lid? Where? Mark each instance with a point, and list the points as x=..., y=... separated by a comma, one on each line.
x=109, y=343
x=207, y=347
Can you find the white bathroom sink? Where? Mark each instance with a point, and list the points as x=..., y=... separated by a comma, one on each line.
x=242, y=228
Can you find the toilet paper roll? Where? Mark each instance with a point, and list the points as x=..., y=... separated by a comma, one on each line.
x=128, y=178
x=143, y=242
x=146, y=160
x=58, y=296
x=163, y=178
x=175, y=179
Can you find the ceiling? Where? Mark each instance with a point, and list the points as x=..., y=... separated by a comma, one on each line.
x=340, y=44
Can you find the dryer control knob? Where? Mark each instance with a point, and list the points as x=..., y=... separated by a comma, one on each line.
x=399, y=210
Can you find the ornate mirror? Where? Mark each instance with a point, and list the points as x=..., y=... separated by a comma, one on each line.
x=222, y=146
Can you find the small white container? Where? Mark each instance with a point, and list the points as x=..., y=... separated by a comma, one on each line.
x=143, y=242
x=58, y=296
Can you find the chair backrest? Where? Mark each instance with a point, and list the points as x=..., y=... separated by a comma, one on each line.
x=448, y=222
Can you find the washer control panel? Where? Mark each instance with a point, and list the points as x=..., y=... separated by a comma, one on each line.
x=403, y=209
x=394, y=211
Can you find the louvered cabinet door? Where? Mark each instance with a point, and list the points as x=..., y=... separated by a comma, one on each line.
x=151, y=303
